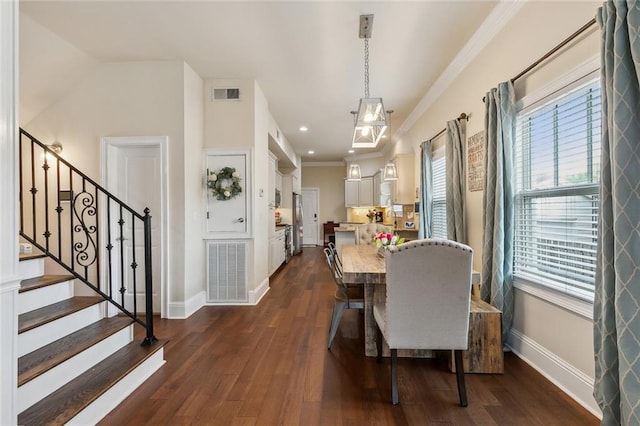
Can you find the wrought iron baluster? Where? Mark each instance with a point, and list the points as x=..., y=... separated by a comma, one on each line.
x=97, y=218
x=33, y=190
x=21, y=171
x=122, y=290
x=148, y=282
x=45, y=168
x=134, y=265
x=109, y=247
x=71, y=207
x=59, y=209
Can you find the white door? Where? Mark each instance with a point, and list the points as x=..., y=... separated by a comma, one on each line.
x=227, y=217
x=310, y=197
x=135, y=174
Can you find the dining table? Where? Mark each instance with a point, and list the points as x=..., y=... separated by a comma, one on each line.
x=362, y=266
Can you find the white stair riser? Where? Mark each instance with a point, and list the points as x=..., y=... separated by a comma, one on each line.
x=38, y=298
x=47, y=333
x=38, y=388
x=109, y=400
x=31, y=268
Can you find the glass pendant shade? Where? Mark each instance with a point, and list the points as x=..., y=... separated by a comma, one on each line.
x=370, y=123
x=354, y=172
x=390, y=172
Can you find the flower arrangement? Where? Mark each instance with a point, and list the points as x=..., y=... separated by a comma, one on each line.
x=371, y=214
x=224, y=183
x=384, y=239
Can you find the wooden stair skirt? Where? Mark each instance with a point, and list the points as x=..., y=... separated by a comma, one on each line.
x=485, y=353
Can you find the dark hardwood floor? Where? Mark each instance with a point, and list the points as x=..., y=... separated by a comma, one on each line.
x=269, y=365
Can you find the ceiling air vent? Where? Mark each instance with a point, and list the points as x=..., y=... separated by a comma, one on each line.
x=228, y=94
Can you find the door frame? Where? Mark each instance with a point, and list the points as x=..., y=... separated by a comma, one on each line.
x=108, y=144
x=315, y=190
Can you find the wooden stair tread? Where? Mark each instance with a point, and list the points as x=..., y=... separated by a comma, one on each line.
x=63, y=404
x=38, y=317
x=43, y=281
x=29, y=256
x=41, y=360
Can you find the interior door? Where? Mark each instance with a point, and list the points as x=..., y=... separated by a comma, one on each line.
x=134, y=176
x=228, y=217
x=310, y=198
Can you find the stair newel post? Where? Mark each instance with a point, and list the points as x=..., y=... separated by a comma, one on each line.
x=148, y=280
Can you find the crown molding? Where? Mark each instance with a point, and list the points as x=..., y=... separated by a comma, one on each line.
x=497, y=19
x=323, y=163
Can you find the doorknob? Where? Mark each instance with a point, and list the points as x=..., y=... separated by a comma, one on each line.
x=239, y=220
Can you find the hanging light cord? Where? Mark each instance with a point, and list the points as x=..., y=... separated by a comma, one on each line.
x=366, y=68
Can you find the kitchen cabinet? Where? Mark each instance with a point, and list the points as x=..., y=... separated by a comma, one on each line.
x=404, y=189
x=359, y=193
x=381, y=190
x=277, y=253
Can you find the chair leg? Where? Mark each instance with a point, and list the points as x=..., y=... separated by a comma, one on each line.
x=378, y=343
x=338, y=309
x=394, y=376
x=462, y=389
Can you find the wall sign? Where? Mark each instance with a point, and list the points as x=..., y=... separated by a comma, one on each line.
x=475, y=161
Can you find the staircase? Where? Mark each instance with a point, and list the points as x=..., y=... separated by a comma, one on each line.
x=77, y=358
x=75, y=364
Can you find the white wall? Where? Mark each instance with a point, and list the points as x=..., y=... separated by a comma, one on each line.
x=555, y=340
x=194, y=262
x=244, y=124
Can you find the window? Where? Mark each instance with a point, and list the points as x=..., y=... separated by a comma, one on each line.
x=439, y=195
x=557, y=175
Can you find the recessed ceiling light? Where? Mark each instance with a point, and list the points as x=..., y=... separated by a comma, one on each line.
x=351, y=151
x=311, y=152
x=303, y=128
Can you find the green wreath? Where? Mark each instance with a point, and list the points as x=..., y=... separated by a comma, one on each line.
x=224, y=183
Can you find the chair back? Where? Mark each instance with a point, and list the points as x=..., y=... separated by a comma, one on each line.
x=335, y=273
x=428, y=294
x=336, y=258
x=366, y=232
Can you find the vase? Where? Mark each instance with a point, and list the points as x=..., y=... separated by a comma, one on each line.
x=382, y=251
x=370, y=220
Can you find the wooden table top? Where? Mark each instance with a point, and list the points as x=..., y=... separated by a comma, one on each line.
x=362, y=265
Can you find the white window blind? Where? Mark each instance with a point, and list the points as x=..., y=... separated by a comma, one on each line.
x=439, y=199
x=557, y=175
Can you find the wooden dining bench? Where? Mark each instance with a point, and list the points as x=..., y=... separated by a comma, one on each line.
x=485, y=353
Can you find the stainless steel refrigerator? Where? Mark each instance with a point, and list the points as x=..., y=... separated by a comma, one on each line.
x=297, y=223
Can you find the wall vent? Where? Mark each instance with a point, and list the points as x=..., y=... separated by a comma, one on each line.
x=227, y=272
x=227, y=94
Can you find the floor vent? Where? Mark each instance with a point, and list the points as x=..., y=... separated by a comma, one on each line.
x=227, y=271
x=228, y=94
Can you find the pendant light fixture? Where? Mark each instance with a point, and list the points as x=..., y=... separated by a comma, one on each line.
x=390, y=172
x=370, y=120
x=354, y=172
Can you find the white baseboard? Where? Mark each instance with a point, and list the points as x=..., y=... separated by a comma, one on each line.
x=256, y=295
x=179, y=310
x=572, y=381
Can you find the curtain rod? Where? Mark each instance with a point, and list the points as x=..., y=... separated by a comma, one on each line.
x=555, y=49
x=462, y=116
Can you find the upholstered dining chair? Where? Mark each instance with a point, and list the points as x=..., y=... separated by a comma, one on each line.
x=345, y=297
x=366, y=232
x=428, y=285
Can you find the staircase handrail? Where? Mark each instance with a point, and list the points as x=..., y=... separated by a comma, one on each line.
x=78, y=252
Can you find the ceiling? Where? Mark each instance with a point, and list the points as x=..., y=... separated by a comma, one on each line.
x=306, y=56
